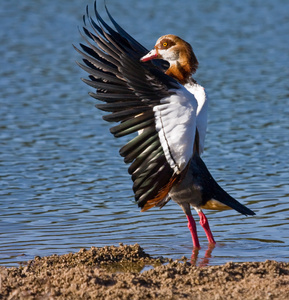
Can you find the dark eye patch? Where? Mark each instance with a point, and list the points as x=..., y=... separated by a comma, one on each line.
x=166, y=43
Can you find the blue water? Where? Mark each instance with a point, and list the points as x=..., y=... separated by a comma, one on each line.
x=63, y=185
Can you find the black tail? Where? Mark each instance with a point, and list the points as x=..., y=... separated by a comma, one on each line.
x=211, y=189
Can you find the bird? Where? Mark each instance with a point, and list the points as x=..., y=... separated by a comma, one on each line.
x=152, y=95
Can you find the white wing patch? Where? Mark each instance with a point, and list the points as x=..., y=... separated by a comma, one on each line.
x=199, y=92
x=176, y=126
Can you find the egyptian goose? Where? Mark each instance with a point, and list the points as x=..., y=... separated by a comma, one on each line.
x=153, y=94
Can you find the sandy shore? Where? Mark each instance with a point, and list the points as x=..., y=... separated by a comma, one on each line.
x=117, y=273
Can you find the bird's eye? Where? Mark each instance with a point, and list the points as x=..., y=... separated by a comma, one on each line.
x=165, y=44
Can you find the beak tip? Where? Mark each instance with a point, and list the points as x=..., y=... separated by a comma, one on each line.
x=151, y=55
x=144, y=59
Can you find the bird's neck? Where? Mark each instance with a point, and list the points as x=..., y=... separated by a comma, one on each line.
x=180, y=72
x=184, y=67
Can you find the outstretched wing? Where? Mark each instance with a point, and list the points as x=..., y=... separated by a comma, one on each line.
x=145, y=101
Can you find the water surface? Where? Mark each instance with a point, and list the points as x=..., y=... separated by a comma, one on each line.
x=63, y=185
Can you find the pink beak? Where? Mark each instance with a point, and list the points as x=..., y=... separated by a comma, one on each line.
x=151, y=55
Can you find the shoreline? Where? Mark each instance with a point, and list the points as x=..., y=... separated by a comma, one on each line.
x=127, y=272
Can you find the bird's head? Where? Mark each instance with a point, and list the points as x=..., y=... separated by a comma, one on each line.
x=178, y=53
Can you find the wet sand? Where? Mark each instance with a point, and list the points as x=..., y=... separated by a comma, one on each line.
x=127, y=272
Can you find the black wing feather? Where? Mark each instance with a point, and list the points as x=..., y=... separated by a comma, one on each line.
x=129, y=89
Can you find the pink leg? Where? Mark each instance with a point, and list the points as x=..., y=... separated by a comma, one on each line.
x=193, y=230
x=205, y=224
